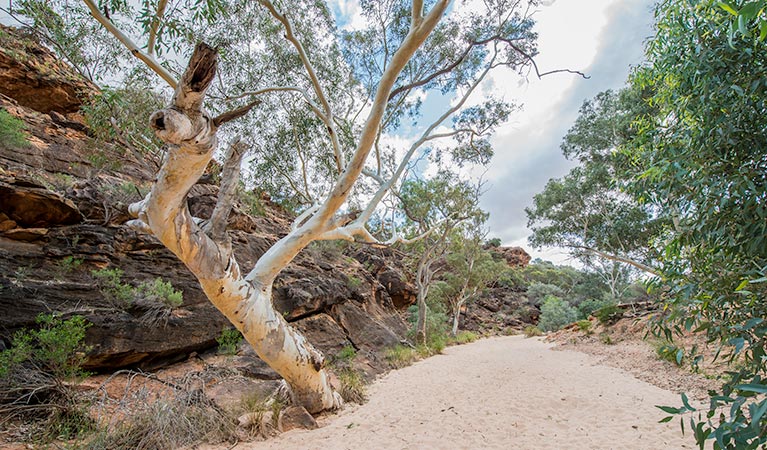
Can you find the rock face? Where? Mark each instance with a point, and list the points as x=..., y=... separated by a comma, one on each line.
x=31, y=74
x=62, y=216
x=514, y=256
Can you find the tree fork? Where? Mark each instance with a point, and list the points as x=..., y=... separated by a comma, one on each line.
x=191, y=135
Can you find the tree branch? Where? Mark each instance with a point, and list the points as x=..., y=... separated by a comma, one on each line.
x=155, y=26
x=622, y=259
x=234, y=113
x=150, y=62
x=230, y=177
x=327, y=117
x=281, y=253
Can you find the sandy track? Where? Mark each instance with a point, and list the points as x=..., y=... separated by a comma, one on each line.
x=500, y=393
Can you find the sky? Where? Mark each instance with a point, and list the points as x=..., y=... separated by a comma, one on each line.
x=602, y=38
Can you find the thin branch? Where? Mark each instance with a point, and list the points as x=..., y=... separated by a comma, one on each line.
x=155, y=26
x=535, y=65
x=150, y=62
x=303, y=93
x=327, y=117
x=617, y=258
x=230, y=177
x=234, y=113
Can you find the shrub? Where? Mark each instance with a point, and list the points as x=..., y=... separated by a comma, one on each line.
x=465, y=337
x=353, y=282
x=69, y=264
x=345, y=355
x=587, y=307
x=532, y=331
x=148, y=294
x=584, y=326
x=178, y=421
x=609, y=314
x=556, y=313
x=12, y=130
x=228, y=341
x=353, y=387
x=537, y=292
x=400, y=356
x=111, y=286
x=161, y=291
x=36, y=375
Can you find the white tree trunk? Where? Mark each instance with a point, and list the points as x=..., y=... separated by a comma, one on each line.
x=246, y=301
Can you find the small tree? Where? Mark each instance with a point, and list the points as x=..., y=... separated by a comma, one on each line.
x=436, y=209
x=468, y=269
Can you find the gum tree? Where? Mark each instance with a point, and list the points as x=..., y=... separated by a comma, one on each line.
x=324, y=108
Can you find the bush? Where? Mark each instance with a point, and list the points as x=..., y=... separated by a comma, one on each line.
x=587, y=307
x=124, y=295
x=36, y=375
x=609, y=314
x=353, y=387
x=111, y=286
x=161, y=291
x=228, y=341
x=465, y=337
x=556, y=313
x=584, y=326
x=537, y=292
x=400, y=356
x=12, y=130
x=532, y=331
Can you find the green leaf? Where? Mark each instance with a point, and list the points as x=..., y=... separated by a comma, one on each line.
x=686, y=402
x=669, y=409
x=666, y=419
x=757, y=415
x=742, y=25
x=758, y=388
x=727, y=8
x=750, y=10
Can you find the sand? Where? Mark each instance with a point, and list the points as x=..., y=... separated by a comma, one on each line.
x=500, y=393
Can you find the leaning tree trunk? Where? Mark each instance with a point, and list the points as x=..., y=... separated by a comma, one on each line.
x=191, y=135
x=247, y=300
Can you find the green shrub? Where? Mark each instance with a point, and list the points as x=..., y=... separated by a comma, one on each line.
x=161, y=291
x=353, y=283
x=587, y=307
x=556, y=313
x=228, y=341
x=538, y=292
x=70, y=264
x=532, y=331
x=609, y=314
x=37, y=374
x=345, y=355
x=12, y=130
x=353, y=387
x=465, y=337
x=584, y=326
x=400, y=356
x=56, y=347
x=111, y=286
x=124, y=295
